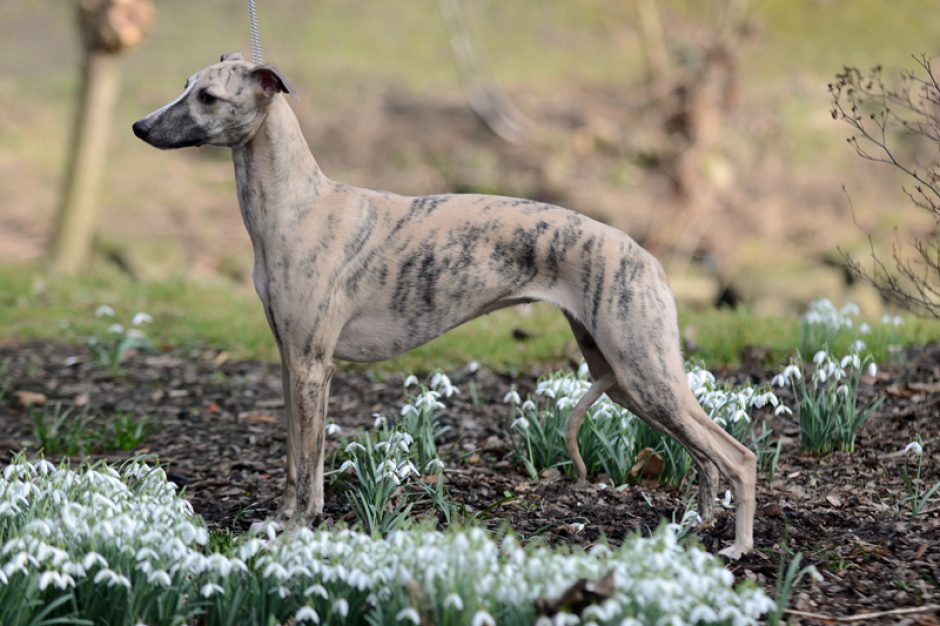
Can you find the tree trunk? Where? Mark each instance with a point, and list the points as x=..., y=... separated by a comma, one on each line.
x=75, y=219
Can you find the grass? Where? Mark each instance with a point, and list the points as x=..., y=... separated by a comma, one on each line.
x=225, y=316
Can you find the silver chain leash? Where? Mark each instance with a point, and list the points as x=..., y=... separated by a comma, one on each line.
x=254, y=33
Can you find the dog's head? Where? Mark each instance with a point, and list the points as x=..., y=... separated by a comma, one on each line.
x=221, y=105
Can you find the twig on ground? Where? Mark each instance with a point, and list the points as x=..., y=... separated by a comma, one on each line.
x=860, y=617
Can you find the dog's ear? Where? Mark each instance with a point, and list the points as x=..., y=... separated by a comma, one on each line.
x=232, y=56
x=270, y=81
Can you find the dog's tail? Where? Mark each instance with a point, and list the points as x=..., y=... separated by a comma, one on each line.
x=600, y=386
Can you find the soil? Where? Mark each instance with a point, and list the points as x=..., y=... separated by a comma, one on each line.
x=218, y=432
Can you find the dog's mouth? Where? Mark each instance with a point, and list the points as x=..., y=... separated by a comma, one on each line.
x=145, y=131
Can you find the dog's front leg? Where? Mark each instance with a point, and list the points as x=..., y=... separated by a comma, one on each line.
x=310, y=391
x=288, y=506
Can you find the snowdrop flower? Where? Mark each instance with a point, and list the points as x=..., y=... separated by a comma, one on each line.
x=409, y=614
x=210, y=589
x=411, y=380
x=159, y=577
x=141, y=318
x=135, y=333
x=528, y=406
x=380, y=420
x=473, y=367
x=872, y=370
x=820, y=357
x=434, y=465
x=726, y=501
x=482, y=618
x=341, y=607
x=317, y=589
x=858, y=345
x=512, y=397
x=864, y=328
x=333, y=429
x=115, y=329
x=104, y=310
x=307, y=614
x=441, y=382
x=891, y=320
x=843, y=390
x=353, y=445
x=520, y=423
x=916, y=447
x=783, y=410
x=453, y=600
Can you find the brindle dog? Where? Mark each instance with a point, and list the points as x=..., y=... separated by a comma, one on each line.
x=365, y=275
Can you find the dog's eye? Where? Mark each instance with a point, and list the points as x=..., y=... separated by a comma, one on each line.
x=207, y=98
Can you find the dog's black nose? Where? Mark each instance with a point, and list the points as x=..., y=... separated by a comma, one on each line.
x=142, y=128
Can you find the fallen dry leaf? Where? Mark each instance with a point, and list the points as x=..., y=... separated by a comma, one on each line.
x=25, y=399
x=649, y=464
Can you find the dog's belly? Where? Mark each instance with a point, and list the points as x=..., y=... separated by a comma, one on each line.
x=376, y=336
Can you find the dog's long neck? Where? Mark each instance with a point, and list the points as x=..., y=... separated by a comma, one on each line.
x=275, y=173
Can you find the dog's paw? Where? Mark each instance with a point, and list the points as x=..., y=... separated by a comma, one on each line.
x=734, y=552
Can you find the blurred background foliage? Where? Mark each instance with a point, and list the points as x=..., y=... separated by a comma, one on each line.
x=709, y=139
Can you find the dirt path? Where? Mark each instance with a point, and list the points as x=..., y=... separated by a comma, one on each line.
x=218, y=433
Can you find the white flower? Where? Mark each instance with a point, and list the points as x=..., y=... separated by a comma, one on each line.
x=872, y=370
x=434, y=465
x=473, y=367
x=341, y=607
x=307, y=614
x=411, y=380
x=453, y=600
x=380, y=421
x=726, y=501
x=135, y=333
x=333, y=429
x=783, y=410
x=210, y=589
x=141, y=318
x=864, y=328
x=410, y=614
x=482, y=618
x=104, y=310
x=520, y=423
x=512, y=397
x=115, y=329
x=916, y=447
x=820, y=356
x=353, y=445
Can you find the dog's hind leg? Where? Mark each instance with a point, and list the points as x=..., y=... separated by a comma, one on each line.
x=601, y=370
x=576, y=416
x=645, y=357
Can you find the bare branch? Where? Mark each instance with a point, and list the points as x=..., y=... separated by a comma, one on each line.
x=879, y=116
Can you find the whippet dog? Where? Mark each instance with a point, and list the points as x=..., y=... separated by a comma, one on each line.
x=364, y=275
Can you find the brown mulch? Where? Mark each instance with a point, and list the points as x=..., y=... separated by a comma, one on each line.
x=218, y=433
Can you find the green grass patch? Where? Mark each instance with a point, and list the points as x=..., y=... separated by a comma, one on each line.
x=225, y=316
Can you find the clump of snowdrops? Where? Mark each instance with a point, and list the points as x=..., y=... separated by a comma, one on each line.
x=385, y=460
x=825, y=327
x=827, y=399
x=111, y=344
x=611, y=437
x=122, y=547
